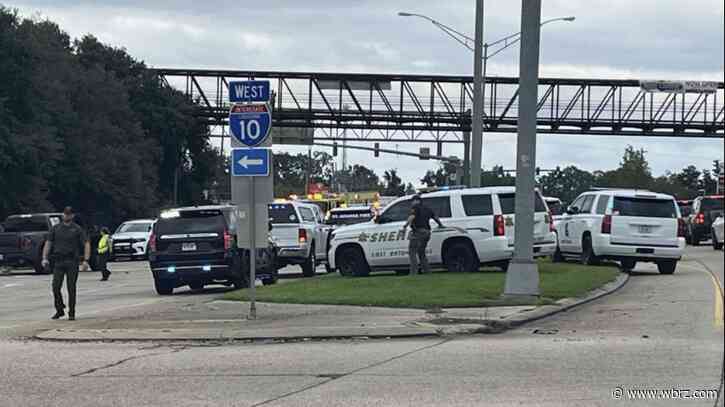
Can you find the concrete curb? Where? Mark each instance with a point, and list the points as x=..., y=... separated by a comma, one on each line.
x=414, y=329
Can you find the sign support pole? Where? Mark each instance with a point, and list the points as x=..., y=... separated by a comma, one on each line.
x=252, y=253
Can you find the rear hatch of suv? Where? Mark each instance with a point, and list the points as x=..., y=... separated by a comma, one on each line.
x=711, y=208
x=541, y=220
x=191, y=237
x=644, y=220
x=285, y=224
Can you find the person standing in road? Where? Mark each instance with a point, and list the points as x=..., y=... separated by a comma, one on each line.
x=66, y=242
x=103, y=253
x=419, y=222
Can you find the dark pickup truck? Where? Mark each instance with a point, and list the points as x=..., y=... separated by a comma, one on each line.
x=705, y=209
x=23, y=237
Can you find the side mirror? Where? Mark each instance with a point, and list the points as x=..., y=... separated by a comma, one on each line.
x=572, y=210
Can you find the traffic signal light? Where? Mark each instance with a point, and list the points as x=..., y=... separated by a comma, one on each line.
x=377, y=150
x=500, y=172
x=334, y=149
x=538, y=171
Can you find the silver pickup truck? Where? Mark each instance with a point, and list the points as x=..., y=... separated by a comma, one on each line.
x=299, y=234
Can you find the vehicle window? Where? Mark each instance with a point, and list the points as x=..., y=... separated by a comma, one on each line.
x=441, y=206
x=587, y=204
x=307, y=214
x=282, y=213
x=477, y=205
x=602, y=204
x=29, y=224
x=578, y=202
x=134, y=228
x=711, y=204
x=508, y=203
x=642, y=207
x=349, y=217
x=398, y=212
x=188, y=222
x=555, y=207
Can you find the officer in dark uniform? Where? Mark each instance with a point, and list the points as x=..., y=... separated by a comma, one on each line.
x=419, y=222
x=66, y=243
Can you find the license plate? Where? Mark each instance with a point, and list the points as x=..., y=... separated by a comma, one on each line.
x=645, y=229
x=188, y=247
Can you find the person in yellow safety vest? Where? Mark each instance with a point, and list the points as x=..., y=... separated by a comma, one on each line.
x=103, y=253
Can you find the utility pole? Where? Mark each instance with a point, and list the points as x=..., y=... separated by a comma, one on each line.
x=477, y=119
x=522, y=278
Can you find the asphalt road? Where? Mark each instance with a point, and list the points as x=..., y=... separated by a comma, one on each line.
x=658, y=332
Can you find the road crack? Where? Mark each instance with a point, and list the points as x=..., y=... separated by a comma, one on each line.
x=124, y=360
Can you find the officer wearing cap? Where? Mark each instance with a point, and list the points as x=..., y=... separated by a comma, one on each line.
x=419, y=222
x=65, y=245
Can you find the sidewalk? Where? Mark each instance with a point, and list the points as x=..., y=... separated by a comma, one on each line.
x=201, y=319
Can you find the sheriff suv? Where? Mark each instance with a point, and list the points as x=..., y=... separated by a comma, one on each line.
x=479, y=230
x=196, y=246
x=623, y=225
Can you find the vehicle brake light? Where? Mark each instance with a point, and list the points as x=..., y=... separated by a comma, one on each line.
x=152, y=242
x=700, y=218
x=499, y=226
x=681, y=227
x=302, y=236
x=607, y=225
x=227, y=240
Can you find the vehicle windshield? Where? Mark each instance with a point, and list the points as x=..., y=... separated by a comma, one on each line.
x=349, y=217
x=188, y=222
x=134, y=228
x=282, y=213
x=508, y=204
x=644, y=207
x=29, y=224
x=712, y=204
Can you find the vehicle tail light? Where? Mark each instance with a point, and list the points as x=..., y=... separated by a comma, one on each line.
x=152, y=242
x=681, y=227
x=607, y=225
x=499, y=226
x=700, y=218
x=302, y=236
x=227, y=240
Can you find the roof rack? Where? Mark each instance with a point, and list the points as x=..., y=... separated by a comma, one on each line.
x=426, y=190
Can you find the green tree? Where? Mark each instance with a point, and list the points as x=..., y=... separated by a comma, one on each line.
x=409, y=189
x=441, y=176
x=566, y=184
x=633, y=172
x=496, y=177
x=393, y=184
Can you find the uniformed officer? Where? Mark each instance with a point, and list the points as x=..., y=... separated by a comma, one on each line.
x=66, y=242
x=419, y=222
x=103, y=253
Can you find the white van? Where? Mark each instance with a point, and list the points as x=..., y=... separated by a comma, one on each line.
x=623, y=225
x=479, y=229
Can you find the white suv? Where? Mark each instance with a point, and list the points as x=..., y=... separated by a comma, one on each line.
x=479, y=229
x=623, y=225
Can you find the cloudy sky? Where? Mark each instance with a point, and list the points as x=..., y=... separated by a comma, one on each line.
x=620, y=39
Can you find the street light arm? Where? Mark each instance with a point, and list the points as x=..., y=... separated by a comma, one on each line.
x=461, y=38
x=517, y=35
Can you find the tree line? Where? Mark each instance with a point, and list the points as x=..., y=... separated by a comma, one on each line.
x=87, y=125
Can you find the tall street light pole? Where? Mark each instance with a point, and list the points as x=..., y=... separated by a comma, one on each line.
x=466, y=41
x=522, y=277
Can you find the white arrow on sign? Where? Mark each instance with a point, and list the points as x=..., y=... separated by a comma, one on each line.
x=246, y=162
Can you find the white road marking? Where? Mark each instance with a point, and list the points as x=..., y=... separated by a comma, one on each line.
x=12, y=285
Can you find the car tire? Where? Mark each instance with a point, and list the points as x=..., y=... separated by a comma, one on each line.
x=695, y=239
x=352, y=263
x=163, y=287
x=308, y=267
x=588, y=258
x=627, y=265
x=666, y=266
x=196, y=286
x=328, y=269
x=504, y=265
x=715, y=244
x=459, y=258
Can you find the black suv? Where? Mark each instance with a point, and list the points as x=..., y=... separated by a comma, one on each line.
x=196, y=246
x=705, y=209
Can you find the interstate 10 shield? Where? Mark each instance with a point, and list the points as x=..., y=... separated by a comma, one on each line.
x=250, y=123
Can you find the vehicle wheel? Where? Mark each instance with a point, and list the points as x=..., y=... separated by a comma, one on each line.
x=504, y=265
x=557, y=257
x=695, y=239
x=666, y=266
x=715, y=244
x=460, y=258
x=240, y=278
x=588, y=257
x=628, y=265
x=308, y=267
x=163, y=287
x=196, y=286
x=352, y=263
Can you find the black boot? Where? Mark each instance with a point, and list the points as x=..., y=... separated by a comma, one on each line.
x=58, y=314
x=72, y=315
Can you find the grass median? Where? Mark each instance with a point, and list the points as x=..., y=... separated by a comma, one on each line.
x=435, y=290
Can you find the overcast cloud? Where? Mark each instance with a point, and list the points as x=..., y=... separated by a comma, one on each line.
x=623, y=39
